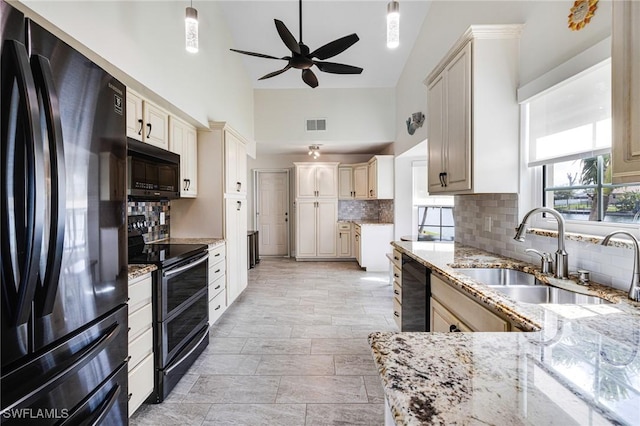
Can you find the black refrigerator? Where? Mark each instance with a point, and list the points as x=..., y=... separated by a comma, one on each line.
x=64, y=256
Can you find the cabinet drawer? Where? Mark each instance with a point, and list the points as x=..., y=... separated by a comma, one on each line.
x=397, y=274
x=344, y=226
x=397, y=291
x=140, y=384
x=139, y=321
x=140, y=347
x=466, y=309
x=216, y=272
x=217, y=306
x=140, y=292
x=216, y=254
x=397, y=258
x=397, y=313
x=216, y=287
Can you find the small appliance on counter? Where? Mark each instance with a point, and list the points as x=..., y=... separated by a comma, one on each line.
x=180, y=304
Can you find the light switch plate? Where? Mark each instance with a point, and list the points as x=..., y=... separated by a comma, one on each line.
x=487, y=224
x=162, y=219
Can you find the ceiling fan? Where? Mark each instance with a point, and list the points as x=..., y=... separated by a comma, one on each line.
x=303, y=59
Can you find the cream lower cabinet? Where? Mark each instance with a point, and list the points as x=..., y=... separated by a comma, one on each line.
x=372, y=243
x=396, y=265
x=236, y=252
x=451, y=310
x=316, y=228
x=217, y=282
x=344, y=243
x=140, y=341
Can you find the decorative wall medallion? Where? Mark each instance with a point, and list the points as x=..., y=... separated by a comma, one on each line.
x=581, y=13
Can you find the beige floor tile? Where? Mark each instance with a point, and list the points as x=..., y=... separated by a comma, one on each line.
x=322, y=389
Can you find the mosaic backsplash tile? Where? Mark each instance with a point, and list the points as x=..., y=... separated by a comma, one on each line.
x=152, y=211
x=612, y=266
x=368, y=210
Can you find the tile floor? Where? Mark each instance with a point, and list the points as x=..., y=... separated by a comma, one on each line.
x=292, y=350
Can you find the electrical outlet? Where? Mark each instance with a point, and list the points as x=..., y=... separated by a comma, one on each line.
x=162, y=220
x=487, y=224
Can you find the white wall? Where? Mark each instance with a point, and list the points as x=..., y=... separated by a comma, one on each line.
x=353, y=116
x=142, y=44
x=546, y=42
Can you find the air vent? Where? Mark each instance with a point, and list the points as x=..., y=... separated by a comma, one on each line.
x=316, y=125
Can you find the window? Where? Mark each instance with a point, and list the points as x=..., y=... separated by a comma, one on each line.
x=434, y=213
x=569, y=134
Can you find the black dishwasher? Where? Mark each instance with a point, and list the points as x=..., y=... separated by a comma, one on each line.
x=416, y=291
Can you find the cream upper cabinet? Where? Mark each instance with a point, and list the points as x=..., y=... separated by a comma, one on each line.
x=625, y=68
x=380, y=177
x=473, y=115
x=235, y=163
x=134, y=116
x=316, y=180
x=345, y=183
x=316, y=228
x=183, y=141
x=455, y=311
x=146, y=121
x=361, y=181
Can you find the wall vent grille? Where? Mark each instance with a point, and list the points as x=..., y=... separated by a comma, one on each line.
x=316, y=125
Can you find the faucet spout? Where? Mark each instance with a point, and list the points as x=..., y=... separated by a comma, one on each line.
x=561, y=255
x=634, y=288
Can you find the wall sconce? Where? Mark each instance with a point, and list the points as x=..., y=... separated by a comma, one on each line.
x=191, y=29
x=414, y=122
x=393, y=24
x=314, y=151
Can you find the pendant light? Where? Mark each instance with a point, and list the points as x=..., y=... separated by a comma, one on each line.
x=393, y=24
x=314, y=151
x=191, y=29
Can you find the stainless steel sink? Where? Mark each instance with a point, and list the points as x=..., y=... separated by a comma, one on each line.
x=526, y=288
x=547, y=294
x=500, y=276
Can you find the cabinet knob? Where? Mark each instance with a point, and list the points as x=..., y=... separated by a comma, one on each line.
x=454, y=328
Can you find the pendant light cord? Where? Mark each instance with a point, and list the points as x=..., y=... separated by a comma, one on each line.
x=300, y=15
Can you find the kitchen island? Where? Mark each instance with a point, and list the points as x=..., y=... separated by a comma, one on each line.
x=573, y=364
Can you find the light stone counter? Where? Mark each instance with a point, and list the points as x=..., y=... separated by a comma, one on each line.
x=579, y=364
x=136, y=271
x=211, y=242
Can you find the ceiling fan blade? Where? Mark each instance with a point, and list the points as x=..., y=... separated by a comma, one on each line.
x=259, y=55
x=273, y=74
x=286, y=36
x=334, y=68
x=310, y=78
x=335, y=47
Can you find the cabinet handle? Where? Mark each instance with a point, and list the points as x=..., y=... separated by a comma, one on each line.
x=216, y=255
x=184, y=186
x=239, y=205
x=219, y=285
x=129, y=397
x=396, y=258
x=371, y=192
x=396, y=292
x=217, y=270
x=454, y=328
x=217, y=307
x=188, y=184
x=149, y=133
x=396, y=275
x=140, y=129
x=238, y=186
x=396, y=314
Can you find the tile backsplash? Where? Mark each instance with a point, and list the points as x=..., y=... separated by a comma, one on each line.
x=152, y=211
x=370, y=210
x=612, y=266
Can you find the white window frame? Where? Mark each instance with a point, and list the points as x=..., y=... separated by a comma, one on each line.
x=531, y=189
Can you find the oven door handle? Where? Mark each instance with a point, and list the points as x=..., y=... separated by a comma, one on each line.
x=177, y=363
x=185, y=267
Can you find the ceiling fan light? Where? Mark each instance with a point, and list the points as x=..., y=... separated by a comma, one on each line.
x=191, y=30
x=393, y=24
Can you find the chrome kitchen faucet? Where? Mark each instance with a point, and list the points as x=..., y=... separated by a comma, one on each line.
x=634, y=288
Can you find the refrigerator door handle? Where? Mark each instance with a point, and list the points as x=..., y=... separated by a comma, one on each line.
x=100, y=412
x=24, y=187
x=46, y=293
x=69, y=366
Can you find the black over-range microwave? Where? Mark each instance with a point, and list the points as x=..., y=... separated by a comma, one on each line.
x=153, y=173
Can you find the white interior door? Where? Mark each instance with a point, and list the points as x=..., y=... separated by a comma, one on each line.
x=273, y=213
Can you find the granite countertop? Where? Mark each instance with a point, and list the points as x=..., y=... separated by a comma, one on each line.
x=211, y=242
x=136, y=271
x=369, y=222
x=576, y=364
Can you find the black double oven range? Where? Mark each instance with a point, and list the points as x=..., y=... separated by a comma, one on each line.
x=180, y=304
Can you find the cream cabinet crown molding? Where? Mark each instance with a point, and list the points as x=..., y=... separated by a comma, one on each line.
x=223, y=125
x=474, y=32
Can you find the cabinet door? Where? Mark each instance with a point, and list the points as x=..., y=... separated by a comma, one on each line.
x=241, y=166
x=443, y=321
x=306, y=180
x=345, y=183
x=625, y=79
x=360, y=182
x=232, y=241
x=327, y=181
x=344, y=243
x=458, y=122
x=306, y=228
x=235, y=164
x=357, y=249
x=372, y=172
x=134, y=116
x=182, y=141
x=243, y=242
x=326, y=218
x=435, y=129
x=156, y=123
